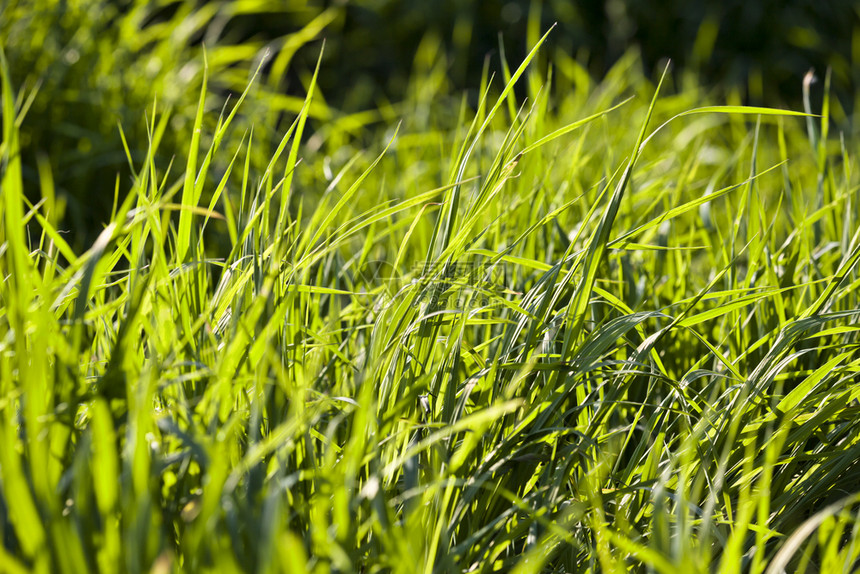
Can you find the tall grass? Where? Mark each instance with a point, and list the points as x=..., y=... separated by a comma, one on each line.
x=97, y=64
x=559, y=327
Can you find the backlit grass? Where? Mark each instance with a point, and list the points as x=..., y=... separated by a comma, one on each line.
x=551, y=326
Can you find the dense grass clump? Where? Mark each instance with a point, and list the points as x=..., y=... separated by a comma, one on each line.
x=556, y=327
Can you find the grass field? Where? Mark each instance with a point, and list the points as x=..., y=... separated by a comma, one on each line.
x=551, y=325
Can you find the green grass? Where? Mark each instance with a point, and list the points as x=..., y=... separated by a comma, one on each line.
x=564, y=326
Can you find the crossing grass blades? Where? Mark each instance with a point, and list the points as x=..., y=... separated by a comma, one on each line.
x=562, y=326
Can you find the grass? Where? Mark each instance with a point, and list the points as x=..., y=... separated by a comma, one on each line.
x=557, y=327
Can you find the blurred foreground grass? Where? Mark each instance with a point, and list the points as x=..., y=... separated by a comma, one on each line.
x=567, y=327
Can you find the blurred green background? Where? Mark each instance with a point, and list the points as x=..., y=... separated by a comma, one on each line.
x=85, y=67
x=763, y=46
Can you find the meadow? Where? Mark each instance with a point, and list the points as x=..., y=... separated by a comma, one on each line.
x=551, y=324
